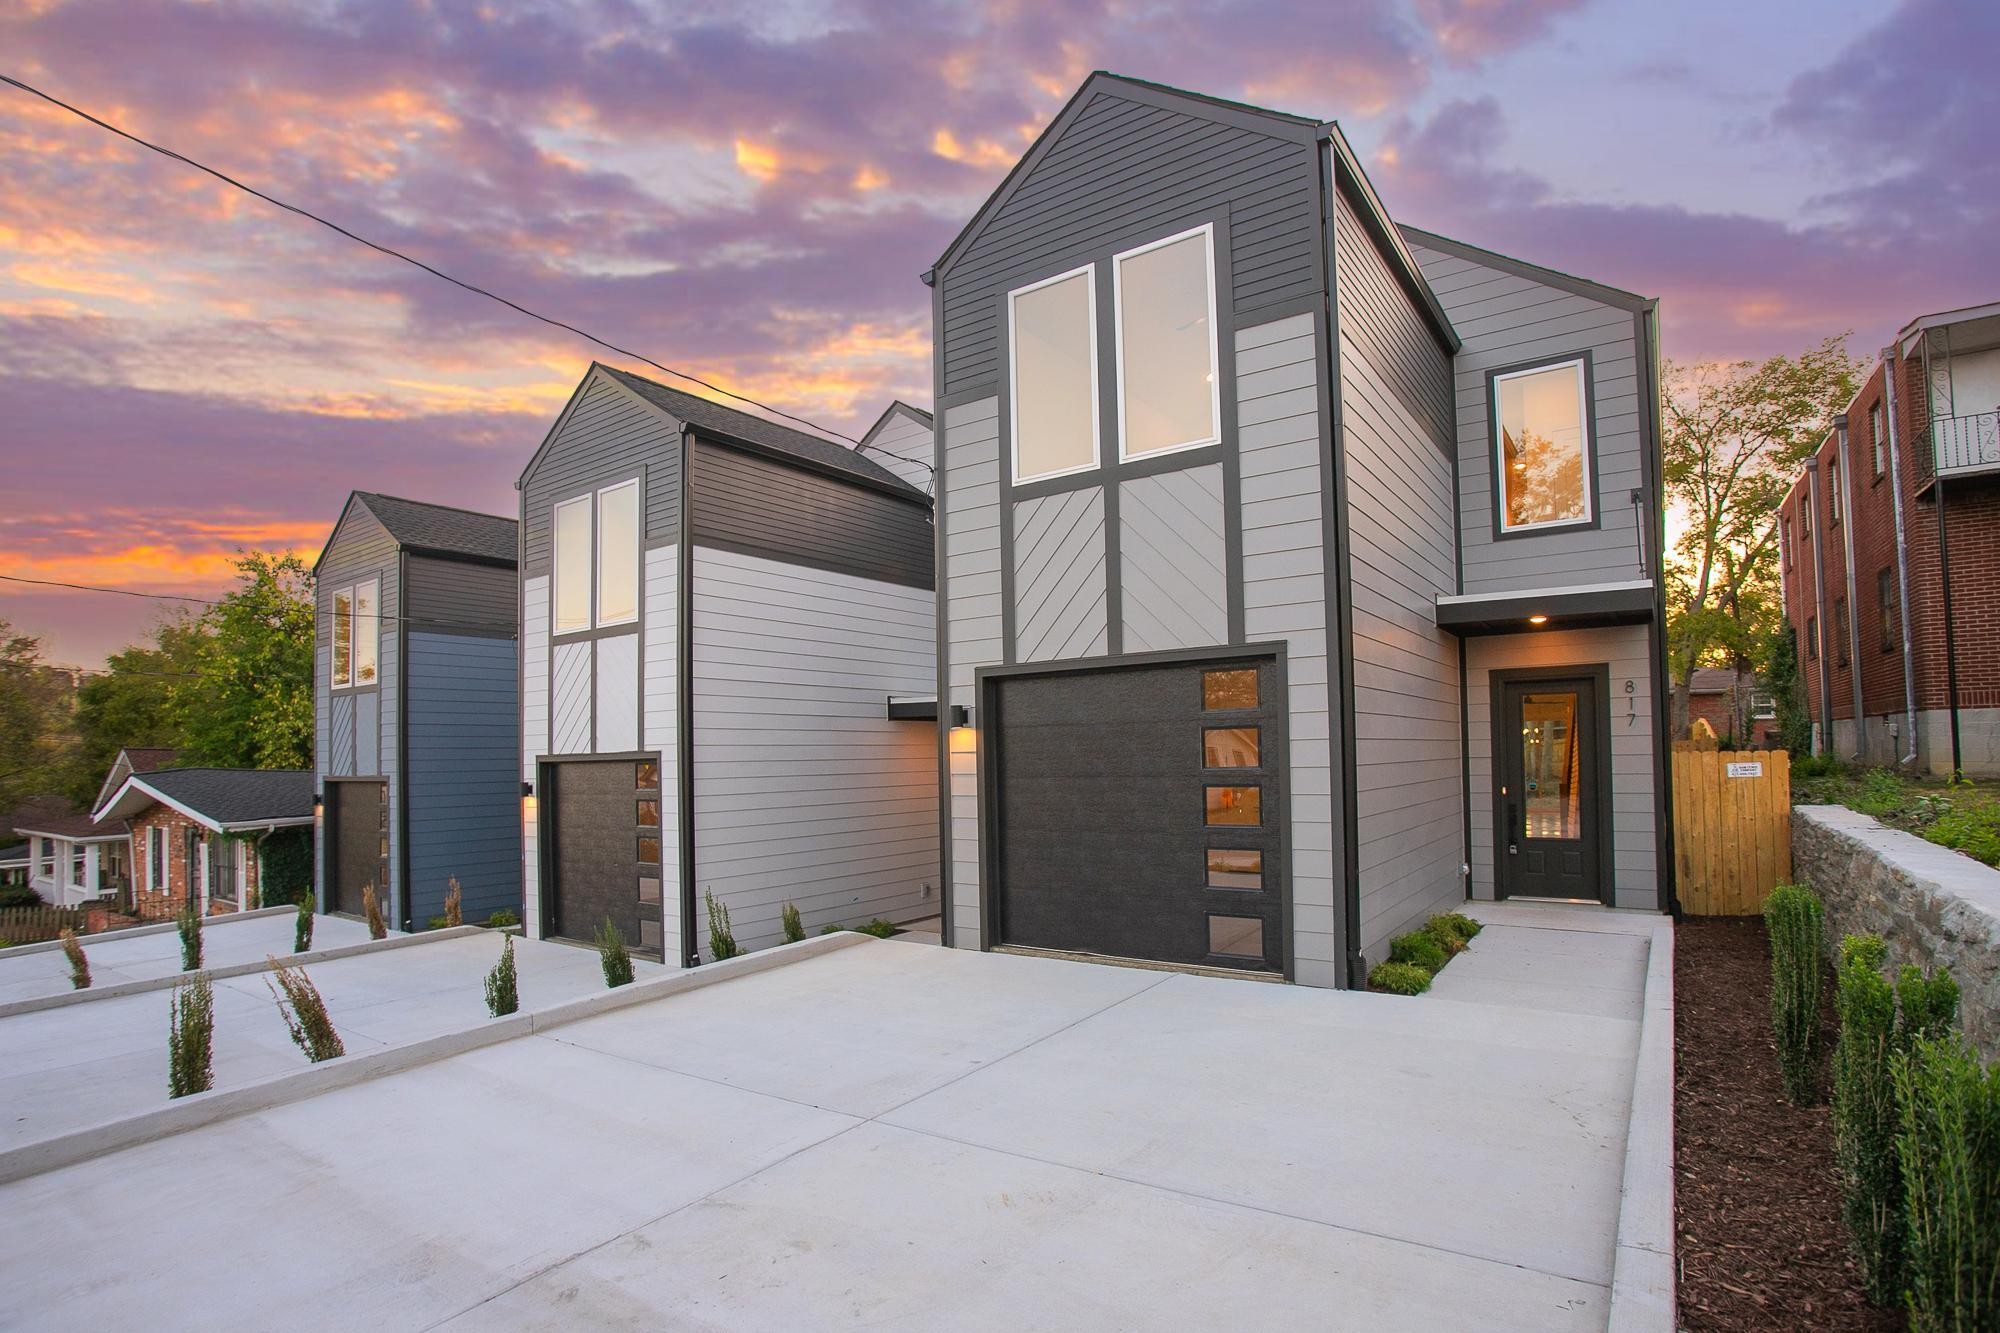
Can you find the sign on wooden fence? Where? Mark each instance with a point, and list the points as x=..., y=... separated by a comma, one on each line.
x=1732, y=828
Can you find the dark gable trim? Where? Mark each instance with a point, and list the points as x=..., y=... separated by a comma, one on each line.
x=941, y=589
x=1646, y=327
x=683, y=703
x=333, y=537
x=1353, y=181
x=899, y=408
x=1521, y=268
x=1591, y=479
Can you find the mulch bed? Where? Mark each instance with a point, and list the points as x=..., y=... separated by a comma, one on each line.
x=1757, y=1203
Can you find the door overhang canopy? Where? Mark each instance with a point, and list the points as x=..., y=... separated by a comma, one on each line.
x=1631, y=602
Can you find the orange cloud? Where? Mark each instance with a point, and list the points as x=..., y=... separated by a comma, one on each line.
x=980, y=153
x=757, y=161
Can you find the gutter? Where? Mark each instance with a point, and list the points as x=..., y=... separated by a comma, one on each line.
x=1847, y=521
x=1819, y=604
x=1889, y=367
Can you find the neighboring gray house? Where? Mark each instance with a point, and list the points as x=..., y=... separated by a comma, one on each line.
x=901, y=440
x=716, y=612
x=1253, y=664
x=417, y=710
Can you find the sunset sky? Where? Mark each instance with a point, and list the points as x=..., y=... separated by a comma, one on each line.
x=750, y=191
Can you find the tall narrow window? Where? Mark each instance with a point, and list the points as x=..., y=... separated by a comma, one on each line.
x=1805, y=513
x=1167, y=393
x=1812, y=638
x=618, y=553
x=1052, y=356
x=1542, y=446
x=1840, y=631
x=1785, y=538
x=1892, y=616
x=1879, y=438
x=572, y=565
x=1832, y=491
x=343, y=637
x=367, y=630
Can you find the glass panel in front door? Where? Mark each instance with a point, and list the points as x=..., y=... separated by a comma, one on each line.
x=1550, y=785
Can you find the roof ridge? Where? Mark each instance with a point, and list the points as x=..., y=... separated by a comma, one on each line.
x=433, y=504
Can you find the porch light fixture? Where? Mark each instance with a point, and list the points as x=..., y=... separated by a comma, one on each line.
x=527, y=789
x=1538, y=620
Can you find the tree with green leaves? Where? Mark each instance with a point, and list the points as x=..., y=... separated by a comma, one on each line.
x=132, y=702
x=1734, y=436
x=39, y=754
x=248, y=701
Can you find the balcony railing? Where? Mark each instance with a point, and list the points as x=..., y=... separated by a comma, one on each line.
x=1968, y=444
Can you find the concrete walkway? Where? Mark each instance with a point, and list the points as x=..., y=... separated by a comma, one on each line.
x=121, y=956
x=62, y=1069
x=905, y=1136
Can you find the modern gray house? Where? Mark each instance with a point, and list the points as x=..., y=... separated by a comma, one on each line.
x=416, y=711
x=901, y=440
x=726, y=626
x=1297, y=571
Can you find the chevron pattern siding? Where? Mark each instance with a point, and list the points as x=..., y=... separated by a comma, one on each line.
x=1059, y=593
x=1172, y=560
x=571, y=732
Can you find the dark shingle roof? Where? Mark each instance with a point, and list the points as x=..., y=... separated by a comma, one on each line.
x=70, y=826
x=238, y=795
x=701, y=412
x=443, y=529
x=1718, y=680
x=147, y=758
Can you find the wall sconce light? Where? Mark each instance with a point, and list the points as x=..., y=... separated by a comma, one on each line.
x=1538, y=620
x=961, y=715
x=527, y=789
x=319, y=803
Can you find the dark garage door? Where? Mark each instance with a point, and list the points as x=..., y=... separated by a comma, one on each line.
x=1138, y=812
x=604, y=850
x=359, y=846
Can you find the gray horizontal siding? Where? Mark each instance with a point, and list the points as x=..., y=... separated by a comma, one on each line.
x=1505, y=319
x=1120, y=170
x=1378, y=317
x=905, y=446
x=464, y=792
x=461, y=595
x=970, y=493
x=758, y=506
x=535, y=667
x=606, y=434
x=355, y=730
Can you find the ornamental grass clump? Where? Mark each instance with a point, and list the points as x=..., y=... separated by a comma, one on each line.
x=188, y=922
x=612, y=953
x=191, y=1037
x=302, y=927
x=304, y=1012
x=454, y=911
x=721, y=939
x=371, y=908
x=795, y=926
x=503, y=990
x=1792, y=921
x=79, y=966
x=1948, y=1142
x=1399, y=978
x=1418, y=949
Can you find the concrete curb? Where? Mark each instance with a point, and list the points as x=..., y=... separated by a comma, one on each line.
x=206, y=1108
x=157, y=928
x=62, y=999
x=1643, y=1270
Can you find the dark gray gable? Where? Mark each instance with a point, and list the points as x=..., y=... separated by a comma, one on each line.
x=606, y=433
x=444, y=530
x=1595, y=291
x=356, y=525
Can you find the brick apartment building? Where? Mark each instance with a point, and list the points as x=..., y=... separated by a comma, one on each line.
x=1912, y=626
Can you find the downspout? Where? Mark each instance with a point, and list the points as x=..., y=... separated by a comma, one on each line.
x=1889, y=371
x=1847, y=521
x=1819, y=604
x=1950, y=629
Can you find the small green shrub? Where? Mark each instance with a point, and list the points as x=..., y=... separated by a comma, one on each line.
x=436, y=923
x=189, y=924
x=613, y=954
x=285, y=867
x=19, y=895
x=503, y=987
x=1864, y=1116
x=371, y=908
x=1817, y=766
x=879, y=928
x=1792, y=920
x=1926, y=1006
x=721, y=941
x=454, y=903
x=795, y=926
x=1975, y=832
x=831, y=930
x=302, y=927
x=79, y=966
x=1458, y=923
x=505, y=916
x=304, y=1012
x=191, y=1037
x=1399, y=978
x=1948, y=1142
x=1418, y=949
x=1881, y=794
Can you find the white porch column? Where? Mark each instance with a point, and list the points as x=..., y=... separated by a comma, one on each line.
x=93, y=854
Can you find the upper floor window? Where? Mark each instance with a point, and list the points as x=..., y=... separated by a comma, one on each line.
x=1763, y=706
x=596, y=544
x=1542, y=432
x=1052, y=364
x=1168, y=397
x=357, y=633
x=1832, y=491
x=1806, y=512
x=1878, y=438
x=1785, y=538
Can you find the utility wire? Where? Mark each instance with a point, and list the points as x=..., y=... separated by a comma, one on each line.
x=319, y=617
x=394, y=253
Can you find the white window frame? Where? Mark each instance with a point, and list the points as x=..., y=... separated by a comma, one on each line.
x=597, y=617
x=354, y=631
x=1207, y=232
x=589, y=502
x=1586, y=443
x=1089, y=273
x=336, y=618
x=1878, y=437
x=1763, y=706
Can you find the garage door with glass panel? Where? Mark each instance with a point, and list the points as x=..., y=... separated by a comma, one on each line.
x=604, y=850
x=1137, y=812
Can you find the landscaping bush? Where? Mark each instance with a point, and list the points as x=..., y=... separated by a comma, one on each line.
x=505, y=916
x=371, y=908
x=1817, y=766
x=1926, y=1006
x=189, y=924
x=503, y=991
x=795, y=926
x=454, y=904
x=1792, y=920
x=879, y=928
x=1881, y=794
x=191, y=1037
x=79, y=966
x=284, y=867
x=611, y=952
x=302, y=927
x=831, y=930
x=303, y=1011
x=721, y=941
x=1458, y=923
x=1399, y=978
x=1948, y=1141
x=1418, y=949
x=1976, y=832
x=1864, y=1115
x=19, y=895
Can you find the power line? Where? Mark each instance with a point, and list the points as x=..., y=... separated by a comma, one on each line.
x=319, y=617
x=122, y=592
x=394, y=253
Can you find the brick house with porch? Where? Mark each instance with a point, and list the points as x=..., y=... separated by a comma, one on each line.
x=203, y=831
x=1905, y=633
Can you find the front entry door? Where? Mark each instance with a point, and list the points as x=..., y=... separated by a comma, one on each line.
x=1551, y=806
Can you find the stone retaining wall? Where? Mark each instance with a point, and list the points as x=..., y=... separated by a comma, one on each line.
x=1932, y=905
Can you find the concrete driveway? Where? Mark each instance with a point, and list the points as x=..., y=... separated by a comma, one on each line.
x=904, y=1136
x=123, y=956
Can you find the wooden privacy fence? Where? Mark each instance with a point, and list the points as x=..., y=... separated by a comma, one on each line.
x=32, y=925
x=1732, y=828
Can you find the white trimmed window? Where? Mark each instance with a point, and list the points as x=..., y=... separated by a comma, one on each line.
x=596, y=554
x=357, y=634
x=1541, y=434
x=1168, y=396
x=1052, y=368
